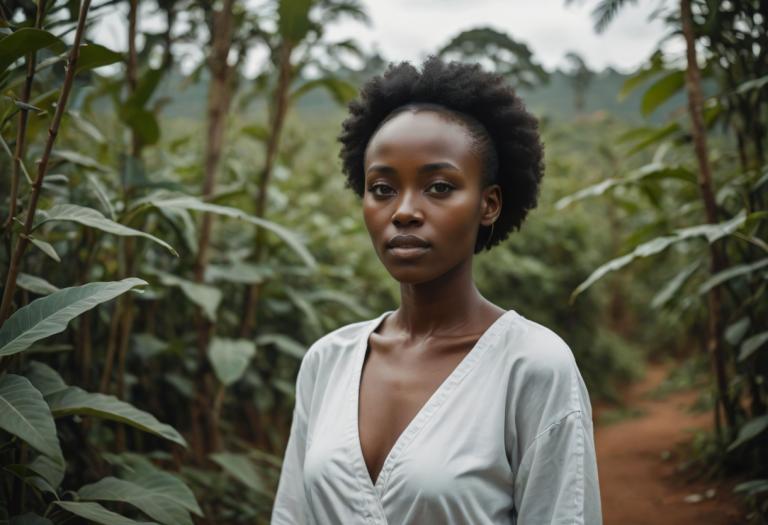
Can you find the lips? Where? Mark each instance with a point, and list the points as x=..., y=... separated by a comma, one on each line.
x=407, y=247
x=407, y=241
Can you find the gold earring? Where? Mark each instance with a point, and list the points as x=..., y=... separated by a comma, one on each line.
x=490, y=235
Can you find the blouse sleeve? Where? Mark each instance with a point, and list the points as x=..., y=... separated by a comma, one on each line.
x=557, y=482
x=290, y=504
x=553, y=456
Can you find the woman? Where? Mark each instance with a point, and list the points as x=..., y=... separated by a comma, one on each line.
x=448, y=410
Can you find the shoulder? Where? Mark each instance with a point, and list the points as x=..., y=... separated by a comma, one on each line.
x=337, y=345
x=544, y=377
x=539, y=349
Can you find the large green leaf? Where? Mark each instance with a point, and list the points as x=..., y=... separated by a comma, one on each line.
x=230, y=358
x=731, y=273
x=191, y=203
x=137, y=469
x=652, y=171
x=152, y=501
x=712, y=232
x=671, y=288
x=50, y=315
x=661, y=91
x=205, y=296
x=44, y=378
x=75, y=400
x=749, y=431
x=94, y=219
x=240, y=467
x=48, y=469
x=293, y=19
x=96, y=513
x=24, y=413
x=92, y=56
x=752, y=344
x=22, y=42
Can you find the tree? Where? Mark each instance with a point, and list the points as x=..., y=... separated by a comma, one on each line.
x=579, y=76
x=498, y=51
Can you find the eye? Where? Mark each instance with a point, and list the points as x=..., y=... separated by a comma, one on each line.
x=374, y=187
x=446, y=188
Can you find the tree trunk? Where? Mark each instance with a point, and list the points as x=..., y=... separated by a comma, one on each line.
x=716, y=257
x=280, y=103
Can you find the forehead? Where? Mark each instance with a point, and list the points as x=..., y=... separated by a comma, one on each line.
x=423, y=135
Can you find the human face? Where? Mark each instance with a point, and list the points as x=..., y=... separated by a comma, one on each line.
x=423, y=178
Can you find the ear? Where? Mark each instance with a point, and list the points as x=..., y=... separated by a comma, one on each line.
x=491, y=205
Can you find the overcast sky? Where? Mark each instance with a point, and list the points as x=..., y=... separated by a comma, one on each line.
x=411, y=29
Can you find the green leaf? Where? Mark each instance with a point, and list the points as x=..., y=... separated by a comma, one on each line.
x=34, y=284
x=284, y=344
x=637, y=79
x=341, y=90
x=240, y=467
x=92, y=56
x=80, y=160
x=652, y=171
x=191, y=203
x=75, y=400
x=736, y=331
x=48, y=469
x=50, y=315
x=752, y=344
x=205, y=296
x=146, y=87
x=712, y=232
x=754, y=84
x=293, y=19
x=95, y=512
x=141, y=471
x=29, y=519
x=143, y=122
x=44, y=378
x=731, y=273
x=240, y=272
x=24, y=413
x=661, y=91
x=45, y=247
x=672, y=287
x=94, y=219
x=151, y=501
x=752, y=487
x=749, y=431
x=230, y=358
x=22, y=42
x=257, y=132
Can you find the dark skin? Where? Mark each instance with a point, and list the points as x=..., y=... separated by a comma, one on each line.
x=423, y=176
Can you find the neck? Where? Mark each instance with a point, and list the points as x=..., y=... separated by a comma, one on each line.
x=440, y=306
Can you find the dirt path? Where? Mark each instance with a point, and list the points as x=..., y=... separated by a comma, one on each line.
x=638, y=486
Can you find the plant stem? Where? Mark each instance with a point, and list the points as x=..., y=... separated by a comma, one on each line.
x=716, y=257
x=42, y=166
x=21, y=134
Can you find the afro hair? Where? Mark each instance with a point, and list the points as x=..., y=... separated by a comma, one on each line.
x=471, y=96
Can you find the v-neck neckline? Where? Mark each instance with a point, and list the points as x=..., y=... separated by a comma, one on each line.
x=422, y=416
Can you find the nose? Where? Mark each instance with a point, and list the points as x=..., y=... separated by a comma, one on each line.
x=407, y=211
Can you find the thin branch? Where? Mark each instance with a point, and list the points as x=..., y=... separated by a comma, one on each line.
x=21, y=244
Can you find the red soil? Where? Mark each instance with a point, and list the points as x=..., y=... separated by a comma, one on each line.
x=637, y=485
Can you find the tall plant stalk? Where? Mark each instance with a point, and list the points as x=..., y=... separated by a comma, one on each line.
x=280, y=105
x=42, y=167
x=716, y=257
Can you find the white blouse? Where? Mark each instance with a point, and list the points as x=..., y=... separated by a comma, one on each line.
x=507, y=438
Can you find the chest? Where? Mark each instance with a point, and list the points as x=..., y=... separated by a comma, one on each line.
x=395, y=386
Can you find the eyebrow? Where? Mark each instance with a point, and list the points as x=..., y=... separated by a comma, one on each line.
x=426, y=168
